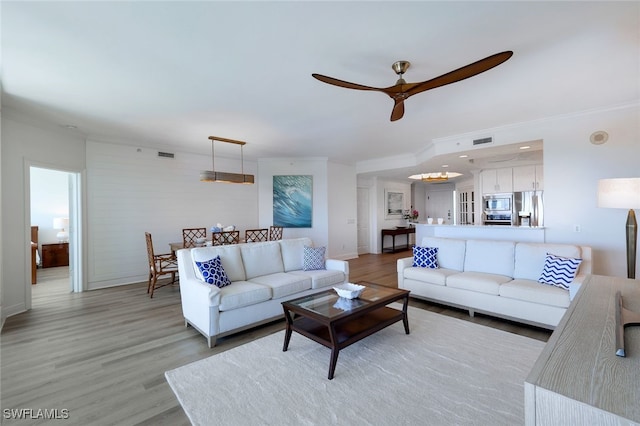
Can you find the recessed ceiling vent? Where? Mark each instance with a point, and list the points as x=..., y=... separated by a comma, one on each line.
x=166, y=154
x=482, y=141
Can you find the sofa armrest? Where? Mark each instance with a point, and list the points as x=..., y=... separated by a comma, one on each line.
x=199, y=292
x=404, y=263
x=576, y=284
x=338, y=265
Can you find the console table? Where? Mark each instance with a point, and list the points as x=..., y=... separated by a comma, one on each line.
x=578, y=379
x=393, y=233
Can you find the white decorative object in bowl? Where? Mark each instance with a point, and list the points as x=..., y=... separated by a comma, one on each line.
x=349, y=290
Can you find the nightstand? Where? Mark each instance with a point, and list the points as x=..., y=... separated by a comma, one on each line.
x=55, y=255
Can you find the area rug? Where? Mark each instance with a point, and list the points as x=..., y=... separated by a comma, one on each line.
x=446, y=372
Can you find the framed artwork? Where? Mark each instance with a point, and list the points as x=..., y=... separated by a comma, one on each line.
x=393, y=204
x=292, y=201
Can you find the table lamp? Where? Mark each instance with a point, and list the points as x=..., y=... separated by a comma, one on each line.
x=623, y=193
x=61, y=223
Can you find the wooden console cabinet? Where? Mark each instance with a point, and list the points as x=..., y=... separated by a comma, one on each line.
x=55, y=255
x=578, y=379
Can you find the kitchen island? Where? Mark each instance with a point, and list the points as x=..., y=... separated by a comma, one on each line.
x=481, y=232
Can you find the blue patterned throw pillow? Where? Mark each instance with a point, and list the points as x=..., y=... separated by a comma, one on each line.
x=425, y=257
x=313, y=258
x=213, y=272
x=559, y=271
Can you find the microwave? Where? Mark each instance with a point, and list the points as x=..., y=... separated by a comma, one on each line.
x=498, y=203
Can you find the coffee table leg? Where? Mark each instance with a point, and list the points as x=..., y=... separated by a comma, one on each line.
x=334, y=361
x=405, y=314
x=287, y=333
x=334, y=350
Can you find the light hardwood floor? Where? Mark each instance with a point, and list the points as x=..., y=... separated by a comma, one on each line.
x=102, y=354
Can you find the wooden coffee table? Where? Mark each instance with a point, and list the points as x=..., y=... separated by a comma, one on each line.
x=336, y=322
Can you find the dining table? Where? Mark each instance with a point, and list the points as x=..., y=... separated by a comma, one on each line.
x=180, y=245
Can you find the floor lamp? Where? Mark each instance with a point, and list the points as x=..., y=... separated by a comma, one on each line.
x=623, y=194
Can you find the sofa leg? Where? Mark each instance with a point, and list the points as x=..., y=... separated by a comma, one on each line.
x=472, y=313
x=186, y=323
x=211, y=341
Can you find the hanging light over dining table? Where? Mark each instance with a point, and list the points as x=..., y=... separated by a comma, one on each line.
x=227, y=177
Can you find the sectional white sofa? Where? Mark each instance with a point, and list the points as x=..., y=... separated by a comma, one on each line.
x=262, y=275
x=498, y=278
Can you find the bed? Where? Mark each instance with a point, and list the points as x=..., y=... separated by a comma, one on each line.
x=35, y=255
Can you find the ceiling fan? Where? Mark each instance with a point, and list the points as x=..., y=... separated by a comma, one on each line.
x=403, y=90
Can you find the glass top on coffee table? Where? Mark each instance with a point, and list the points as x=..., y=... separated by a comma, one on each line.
x=329, y=304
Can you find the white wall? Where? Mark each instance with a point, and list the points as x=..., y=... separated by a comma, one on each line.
x=380, y=222
x=334, y=202
x=342, y=211
x=25, y=144
x=132, y=190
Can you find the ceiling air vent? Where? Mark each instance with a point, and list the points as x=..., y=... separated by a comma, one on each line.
x=482, y=141
x=166, y=154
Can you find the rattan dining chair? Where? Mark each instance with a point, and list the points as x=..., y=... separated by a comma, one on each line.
x=255, y=235
x=225, y=237
x=159, y=265
x=275, y=233
x=191, y=235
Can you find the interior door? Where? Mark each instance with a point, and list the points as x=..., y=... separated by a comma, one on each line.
x=440, y=204
x=364, y=236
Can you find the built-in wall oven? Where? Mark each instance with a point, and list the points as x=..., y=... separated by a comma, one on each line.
x=497, y=209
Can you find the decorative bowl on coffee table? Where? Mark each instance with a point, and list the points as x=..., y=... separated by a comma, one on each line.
x=349, y=290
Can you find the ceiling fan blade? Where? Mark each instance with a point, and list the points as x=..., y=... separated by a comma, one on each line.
x=341, y=83
x=398, y=110
x=461, y=73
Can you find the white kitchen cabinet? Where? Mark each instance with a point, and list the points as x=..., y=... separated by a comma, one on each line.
x=528, y=178
x=497, y=180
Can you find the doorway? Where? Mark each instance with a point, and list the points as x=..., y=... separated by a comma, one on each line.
x=440, y=204
x=364, y=233
x=55, y=207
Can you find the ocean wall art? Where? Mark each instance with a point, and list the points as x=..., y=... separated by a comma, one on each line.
x=292, y=201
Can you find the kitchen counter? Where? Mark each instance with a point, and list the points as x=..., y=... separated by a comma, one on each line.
x=481, y=232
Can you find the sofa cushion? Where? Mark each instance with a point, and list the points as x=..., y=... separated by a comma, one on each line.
x=230, y=258
x=491, y=257
x=213, y=272
x=242, y=293
x=450, y=251
x=559, y=271
x=425, y=257
x=292, y=252
x=477, y=281
x=313, y=258
x=261, y=258
x=530, y=257
x=322, y=277
x=534, y=292
x=428, y=275
x=283, y=283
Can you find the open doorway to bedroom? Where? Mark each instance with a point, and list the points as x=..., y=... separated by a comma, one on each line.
x=55, y=211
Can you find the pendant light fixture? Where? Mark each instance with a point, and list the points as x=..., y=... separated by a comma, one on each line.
x=215, y=176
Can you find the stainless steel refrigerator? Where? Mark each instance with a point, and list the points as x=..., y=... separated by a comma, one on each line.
x=528, y=208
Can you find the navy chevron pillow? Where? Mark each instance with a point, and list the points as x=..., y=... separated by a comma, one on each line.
x=559, y=271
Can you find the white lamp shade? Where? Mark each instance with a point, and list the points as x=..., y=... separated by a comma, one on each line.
x=60, y=223
x=623, y=193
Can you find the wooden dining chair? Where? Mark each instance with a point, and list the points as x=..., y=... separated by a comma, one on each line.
x=225, y=237
x=159, y=265
x=190, y=235
x=275, y=233
x=255, y=235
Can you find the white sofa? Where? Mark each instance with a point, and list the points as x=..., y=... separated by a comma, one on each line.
x=498, y=278
x=262, y=275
